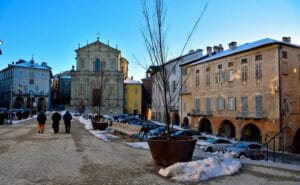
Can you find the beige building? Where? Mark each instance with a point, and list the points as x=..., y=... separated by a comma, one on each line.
x=97, y=82
x=249, y=92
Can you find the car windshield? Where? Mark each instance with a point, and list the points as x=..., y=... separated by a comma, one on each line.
x=240, y=145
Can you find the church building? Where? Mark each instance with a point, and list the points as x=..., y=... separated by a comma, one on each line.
x=97, y=81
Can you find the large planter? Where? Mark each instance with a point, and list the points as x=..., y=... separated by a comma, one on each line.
x=167, y=152
x=98, y=125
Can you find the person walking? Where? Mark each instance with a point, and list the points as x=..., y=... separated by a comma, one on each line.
x=56, y=117
x=41, y=122
x=67, y=119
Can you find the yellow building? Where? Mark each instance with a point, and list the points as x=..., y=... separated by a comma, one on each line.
x=132, y=96
x=248, y=92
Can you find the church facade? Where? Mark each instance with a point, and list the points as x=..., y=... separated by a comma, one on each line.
x=97, y=81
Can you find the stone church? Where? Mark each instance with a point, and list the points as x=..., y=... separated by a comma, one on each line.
x=97, y=81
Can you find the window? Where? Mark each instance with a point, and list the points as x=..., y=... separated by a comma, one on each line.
x=258, y=57
x=31, y=81
x=220, y=103
x=197, y=80
x=97, y=65
x=231, y=103
x=220, y=66
x=219, y=76
x=230, y=75
x=135, y=103
x=230, y=64
x=258, y=70
x=244, y=105
x=259, y=106
x=284, y=54
x=207, y=69
x=197, y=71
x=184, y=106
x=197, y=104
x=207, y=105
x=207, y=79
x=244, y=73
x=285, y=68
x=244, y=61
x=136, y=90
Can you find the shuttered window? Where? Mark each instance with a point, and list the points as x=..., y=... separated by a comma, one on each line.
x=231, y=105
x=207, y=105
x=244, y=105
x=220, y=103
x=259, y=106
x=244, y=73
x=197, y=104
x=258, y=70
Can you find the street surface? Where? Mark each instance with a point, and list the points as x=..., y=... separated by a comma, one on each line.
x=79, y=158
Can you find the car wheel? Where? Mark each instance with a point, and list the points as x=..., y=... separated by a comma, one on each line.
x=242, y=156
x=209, y=149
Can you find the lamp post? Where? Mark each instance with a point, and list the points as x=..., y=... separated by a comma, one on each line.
x=11, y=104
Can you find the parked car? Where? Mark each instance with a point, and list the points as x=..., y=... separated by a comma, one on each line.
x=212, y=144
x=247, y=149
x=180, y=133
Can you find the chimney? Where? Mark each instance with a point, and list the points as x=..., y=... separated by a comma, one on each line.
x=200, y=51
x=209, y=50
x=286, y=39
x=216, y=49
x=221, y=48
x=232, y=45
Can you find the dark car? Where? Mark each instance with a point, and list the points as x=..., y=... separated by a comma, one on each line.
x=250, y=150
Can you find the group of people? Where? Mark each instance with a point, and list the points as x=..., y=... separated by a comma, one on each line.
x=56, y=117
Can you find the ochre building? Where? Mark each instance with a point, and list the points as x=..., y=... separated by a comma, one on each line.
x=248, y=92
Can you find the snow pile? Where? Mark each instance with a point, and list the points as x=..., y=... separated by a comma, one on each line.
x=141, y=145
x=22, y=120
x=103, y=135
x=196, y=171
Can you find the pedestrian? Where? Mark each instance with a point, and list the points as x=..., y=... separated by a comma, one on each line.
x=56, y=117
x=41, y=122
x=67, y=119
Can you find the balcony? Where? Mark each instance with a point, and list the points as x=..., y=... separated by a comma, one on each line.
x=251, y=115
x=200, y=113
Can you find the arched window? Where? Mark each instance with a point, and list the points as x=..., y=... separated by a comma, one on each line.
x=97, y=65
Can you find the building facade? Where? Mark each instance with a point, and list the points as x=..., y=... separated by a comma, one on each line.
x=26, y=85
x=61, y=89
x=97, y=82
x=173, y=75
x=132, y=97
x=248, y=92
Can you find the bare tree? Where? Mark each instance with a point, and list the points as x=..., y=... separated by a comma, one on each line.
x=154, y=34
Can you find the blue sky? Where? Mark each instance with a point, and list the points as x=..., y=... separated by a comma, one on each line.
x=51, y=30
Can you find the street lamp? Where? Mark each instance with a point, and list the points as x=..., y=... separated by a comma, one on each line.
x=11, y=104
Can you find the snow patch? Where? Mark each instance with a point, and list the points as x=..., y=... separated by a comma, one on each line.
x=141, y=145
x=200, y=170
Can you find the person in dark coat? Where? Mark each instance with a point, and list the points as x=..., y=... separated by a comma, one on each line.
x=67, y=119
x=56, y=117
x=41, y=122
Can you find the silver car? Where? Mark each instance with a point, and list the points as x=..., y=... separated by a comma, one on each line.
x=247, y=150
x=212, y=144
